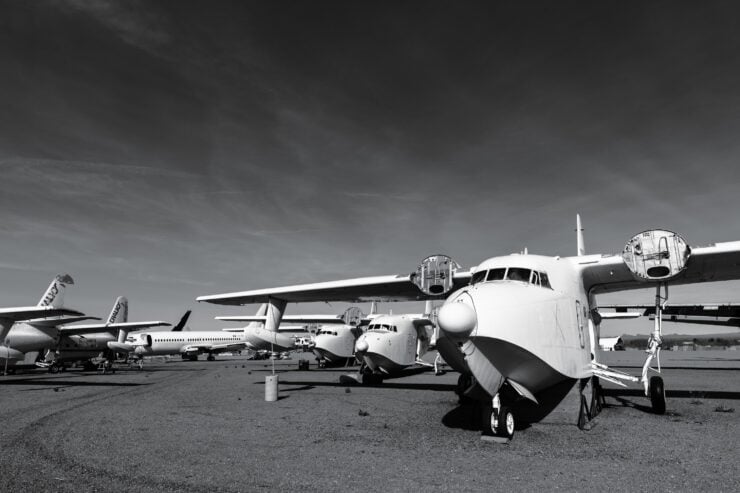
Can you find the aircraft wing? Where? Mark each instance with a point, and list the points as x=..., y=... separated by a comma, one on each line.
x=299, y=319
x=380, y=288
x=728, y=322
x=56, y=321
x=609, y=273
x=686, y=309
x=19, y=314
x=92, y=328
x=619, y=315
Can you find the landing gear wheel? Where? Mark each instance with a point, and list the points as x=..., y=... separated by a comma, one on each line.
x=464, y=382
x=506, y=423
x=657, y=395
x=582, y=413
x=488, y=419
x=211, y=358
x=597, y=397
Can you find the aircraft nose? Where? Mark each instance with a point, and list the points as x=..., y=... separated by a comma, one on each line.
x=457, y=318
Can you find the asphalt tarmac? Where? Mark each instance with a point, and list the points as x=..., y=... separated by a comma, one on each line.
x=204, y=426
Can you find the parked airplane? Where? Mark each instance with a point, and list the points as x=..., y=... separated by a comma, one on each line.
x=26, y=331
x=281, y=339
x=83, y=342
x=532, y=320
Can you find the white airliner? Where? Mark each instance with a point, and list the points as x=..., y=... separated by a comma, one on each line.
x=532, y=321
x=26, y=331
x=282, y=338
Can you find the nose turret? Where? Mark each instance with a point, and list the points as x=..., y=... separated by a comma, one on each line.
x=457, y=318
x=361, y=346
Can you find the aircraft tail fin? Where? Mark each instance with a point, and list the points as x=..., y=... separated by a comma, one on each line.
x=54, y=294
x=119, y=313
x=182, y=322
x=373, y=308
x=579, y=236
x=261, y=312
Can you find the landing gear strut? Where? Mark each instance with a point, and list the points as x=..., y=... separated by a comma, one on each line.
x=592, y=400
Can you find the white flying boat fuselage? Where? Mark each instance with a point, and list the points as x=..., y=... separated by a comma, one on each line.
x=335, y=344
x=530, y=326
x=391, y=343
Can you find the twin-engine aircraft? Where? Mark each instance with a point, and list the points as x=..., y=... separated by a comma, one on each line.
x=530, y=323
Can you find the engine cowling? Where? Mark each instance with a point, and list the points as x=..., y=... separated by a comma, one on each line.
x=143, y=340
x=656, y=255
x=434, y=275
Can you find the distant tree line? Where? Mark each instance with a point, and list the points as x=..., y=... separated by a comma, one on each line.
x=640, y=342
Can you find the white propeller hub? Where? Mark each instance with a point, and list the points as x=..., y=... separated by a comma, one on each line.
x=458, y=319
x=361, y=346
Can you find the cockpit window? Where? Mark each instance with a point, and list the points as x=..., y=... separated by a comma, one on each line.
x=544, y=281
x=535, y=278
x=495, y=274
x=518, y=274
x=478, y=277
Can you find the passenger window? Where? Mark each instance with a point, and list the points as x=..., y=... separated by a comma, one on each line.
x=478, y=277
x=545, y=281
x=495, y=274
x=518, y=274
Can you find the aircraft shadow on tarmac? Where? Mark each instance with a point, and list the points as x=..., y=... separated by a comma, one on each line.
x=692, y=368
x=59, y=383
x=385, y=385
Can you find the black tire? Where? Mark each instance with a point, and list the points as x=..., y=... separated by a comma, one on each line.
x=657, y=395
x=487, y=418
x=506, y=423
x=596, y=397
x=582, y=414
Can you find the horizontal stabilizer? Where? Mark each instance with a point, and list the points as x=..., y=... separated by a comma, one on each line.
x=22, y=313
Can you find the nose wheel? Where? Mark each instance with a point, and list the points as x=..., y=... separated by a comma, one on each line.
x=498, y=420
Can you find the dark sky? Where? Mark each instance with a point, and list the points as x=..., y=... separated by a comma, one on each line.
x=165, y=150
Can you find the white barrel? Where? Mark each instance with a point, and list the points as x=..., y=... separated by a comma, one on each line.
x=271, y=388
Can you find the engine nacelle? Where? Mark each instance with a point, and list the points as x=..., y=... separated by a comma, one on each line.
x=434, y=275
x=656, y=255
x=142, y=340
x=353, y=316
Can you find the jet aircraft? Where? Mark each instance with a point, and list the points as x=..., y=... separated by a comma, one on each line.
x=532, y=321
x=83, y=342
x=26, y=331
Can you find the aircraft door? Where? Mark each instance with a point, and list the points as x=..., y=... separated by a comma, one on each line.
x=580, y=315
